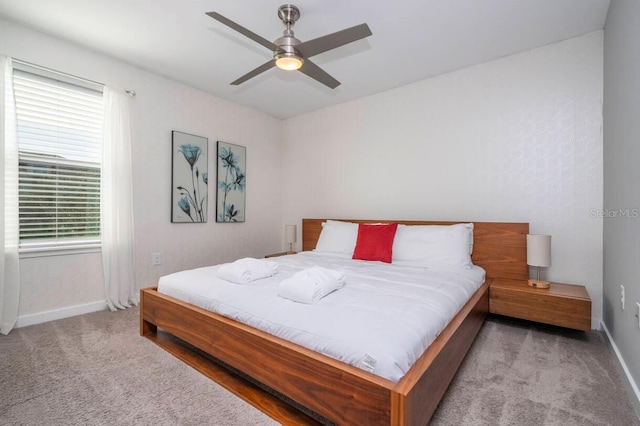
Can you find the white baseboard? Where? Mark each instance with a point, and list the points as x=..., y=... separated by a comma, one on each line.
x=56, y=314
x=633, y=384
x=595, y=323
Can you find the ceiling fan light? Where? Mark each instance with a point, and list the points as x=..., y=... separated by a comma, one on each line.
x=288, y=61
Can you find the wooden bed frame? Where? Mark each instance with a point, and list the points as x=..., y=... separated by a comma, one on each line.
x=339, y=392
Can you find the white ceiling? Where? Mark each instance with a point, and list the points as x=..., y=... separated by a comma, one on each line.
x=412, y=40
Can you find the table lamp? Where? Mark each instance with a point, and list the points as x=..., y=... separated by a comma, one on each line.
x=539, y=255
x=290, y=236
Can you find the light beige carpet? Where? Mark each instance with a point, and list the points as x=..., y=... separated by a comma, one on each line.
x=522, y=373
x=95, y=369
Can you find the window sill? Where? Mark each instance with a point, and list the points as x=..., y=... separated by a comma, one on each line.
x=29, y=252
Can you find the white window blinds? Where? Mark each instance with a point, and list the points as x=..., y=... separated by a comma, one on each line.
x=60, y=142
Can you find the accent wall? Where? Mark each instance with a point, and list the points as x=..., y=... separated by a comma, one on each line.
x=622, y=180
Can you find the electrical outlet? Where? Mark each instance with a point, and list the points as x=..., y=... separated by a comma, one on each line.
x=622, y=296
x=156, y=259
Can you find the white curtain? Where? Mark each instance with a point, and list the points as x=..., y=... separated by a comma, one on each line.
x=9, y=259
x=116, y=203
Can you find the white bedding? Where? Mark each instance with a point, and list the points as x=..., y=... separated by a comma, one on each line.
x=382, y=320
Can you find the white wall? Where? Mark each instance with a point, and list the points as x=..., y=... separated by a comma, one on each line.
x=622, y=178
x=161, y=105
x=515, y=139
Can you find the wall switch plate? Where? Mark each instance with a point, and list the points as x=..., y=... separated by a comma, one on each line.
x=638, y=313
x=156, y=259
x=622, y=296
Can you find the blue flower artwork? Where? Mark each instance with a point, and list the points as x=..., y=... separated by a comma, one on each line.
x=232, y=181
x=190, y=178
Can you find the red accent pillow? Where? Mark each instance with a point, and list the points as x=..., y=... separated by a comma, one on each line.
x=375, y=242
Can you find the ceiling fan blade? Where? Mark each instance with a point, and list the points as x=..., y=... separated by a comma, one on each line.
x=242, y=30
x=331, y=41
x=317, y=73
x=262, y=68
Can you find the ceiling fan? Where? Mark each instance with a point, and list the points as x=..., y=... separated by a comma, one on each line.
x=291, y=54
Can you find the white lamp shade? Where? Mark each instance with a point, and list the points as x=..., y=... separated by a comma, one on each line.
x=290, y=234
x=539, y=250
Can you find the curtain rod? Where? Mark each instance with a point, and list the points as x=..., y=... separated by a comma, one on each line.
x=129, y=92
x=29, y=64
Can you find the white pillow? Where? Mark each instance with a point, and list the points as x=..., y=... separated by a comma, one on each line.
x=433, y=245
x=337, y=237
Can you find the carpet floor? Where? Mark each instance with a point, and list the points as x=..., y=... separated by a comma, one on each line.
x=522, y=373
x=95, y=369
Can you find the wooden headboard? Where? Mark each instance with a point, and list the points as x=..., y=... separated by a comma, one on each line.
x=499, y=248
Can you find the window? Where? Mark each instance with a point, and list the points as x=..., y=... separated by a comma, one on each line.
x=59, y=124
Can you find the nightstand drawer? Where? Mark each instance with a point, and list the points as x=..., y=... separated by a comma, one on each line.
x=564, y=305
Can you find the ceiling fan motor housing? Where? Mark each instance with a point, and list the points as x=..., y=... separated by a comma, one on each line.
x=287, y=44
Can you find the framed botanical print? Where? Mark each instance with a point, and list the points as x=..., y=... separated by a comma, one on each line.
x=232, y=181
x=189, y=178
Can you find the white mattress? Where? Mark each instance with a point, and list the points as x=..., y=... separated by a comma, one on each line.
x=381, y=321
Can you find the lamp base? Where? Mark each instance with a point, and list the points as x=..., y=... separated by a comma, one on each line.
x=538, y=284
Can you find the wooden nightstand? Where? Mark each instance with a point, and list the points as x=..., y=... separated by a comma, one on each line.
x=565, y=305
x=283, y=253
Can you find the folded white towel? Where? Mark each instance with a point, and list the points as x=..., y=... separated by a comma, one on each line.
x=312, y=284
x=243, y=271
